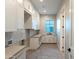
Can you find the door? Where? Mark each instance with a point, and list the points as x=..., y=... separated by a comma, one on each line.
x=69, y=49
x=67, y=36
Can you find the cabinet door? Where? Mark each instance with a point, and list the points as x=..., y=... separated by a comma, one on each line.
x=34, y=43
x=20, y=17
x=38, y=21
x=21, y=55
x=28, y=23
x=20, y=2
x=34, y=20
x=28, y=6
x=10, y=15
x=35, y=17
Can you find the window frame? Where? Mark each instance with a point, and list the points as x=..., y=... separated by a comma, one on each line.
x=52, y=24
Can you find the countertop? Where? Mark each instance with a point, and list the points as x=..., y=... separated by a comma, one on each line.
x=37, y=36
x=13, y=50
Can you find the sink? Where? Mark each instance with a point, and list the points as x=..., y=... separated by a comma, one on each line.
x=49, y=33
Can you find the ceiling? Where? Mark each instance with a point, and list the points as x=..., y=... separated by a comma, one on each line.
x=47, y=6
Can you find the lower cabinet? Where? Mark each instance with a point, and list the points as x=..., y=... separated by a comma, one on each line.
x=34, y=43
x=48, y=39
x=20, y=55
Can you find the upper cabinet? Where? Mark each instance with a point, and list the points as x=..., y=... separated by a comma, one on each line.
x=21, y=2
x=35, y=20
x=20, y=14
x=28, y=6
x=31, y=21
x=10, y=15
x=38, y=20
x=14, y=14
x=27, y=20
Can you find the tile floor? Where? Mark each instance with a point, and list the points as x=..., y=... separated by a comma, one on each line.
x=46, y=51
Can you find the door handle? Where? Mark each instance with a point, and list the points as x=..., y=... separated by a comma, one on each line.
x=69, y=49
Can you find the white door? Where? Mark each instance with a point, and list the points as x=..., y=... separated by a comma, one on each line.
x=67, y=36
x=69, y=32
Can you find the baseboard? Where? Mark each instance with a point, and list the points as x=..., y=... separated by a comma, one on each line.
x=48, y=43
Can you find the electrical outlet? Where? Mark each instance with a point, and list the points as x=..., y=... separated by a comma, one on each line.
x=9, y=42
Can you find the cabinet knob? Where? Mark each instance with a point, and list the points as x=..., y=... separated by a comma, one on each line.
x=69, y=49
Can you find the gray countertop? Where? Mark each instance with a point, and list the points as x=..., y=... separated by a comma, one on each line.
x=37, y=36
x=13, y=50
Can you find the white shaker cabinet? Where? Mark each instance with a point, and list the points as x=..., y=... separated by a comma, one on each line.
x=48, y=39
x=21, y=55
x=27, y=20
x=38, y=20
x=21, y=2
x=28, y=6
x=34, y=43
x=20, y=17
x=35, y=19
x=28, y=14
x=10, y=15
x=28, y=24
x=33, y=22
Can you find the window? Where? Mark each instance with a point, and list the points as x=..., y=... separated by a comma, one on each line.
x=49, y=25
x=34, y=24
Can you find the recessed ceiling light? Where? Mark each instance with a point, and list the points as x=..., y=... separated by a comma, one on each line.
x=70, y=10
x=20, y=1
x=44, y=11
x=41, y=0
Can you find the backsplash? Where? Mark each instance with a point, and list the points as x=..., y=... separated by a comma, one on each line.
x=18, y=36
x=14, y=36
x=30, y=32
x=8, y=36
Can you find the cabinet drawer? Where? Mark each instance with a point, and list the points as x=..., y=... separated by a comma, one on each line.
x=21, y=55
